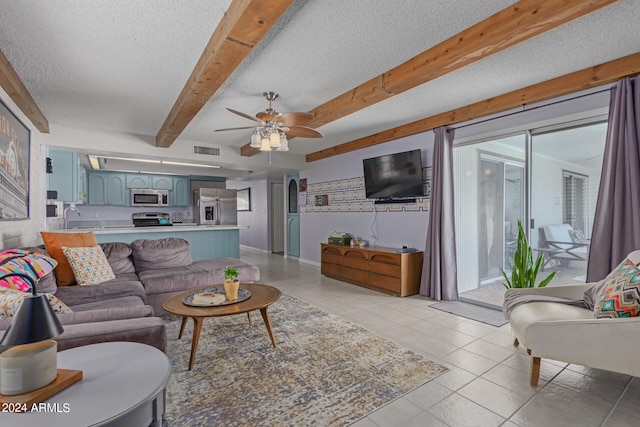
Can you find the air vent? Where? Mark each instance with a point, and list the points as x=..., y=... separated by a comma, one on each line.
x=210, y=151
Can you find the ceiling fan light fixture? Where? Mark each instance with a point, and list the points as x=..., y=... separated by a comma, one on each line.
x=265, y=145
x=284, y=143
x=256, y=139
x=274, y=140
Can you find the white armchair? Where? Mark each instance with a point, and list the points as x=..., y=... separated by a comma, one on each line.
x=572, y=334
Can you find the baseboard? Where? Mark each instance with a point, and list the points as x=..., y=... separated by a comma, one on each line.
x=251, y=248
x=308, y=261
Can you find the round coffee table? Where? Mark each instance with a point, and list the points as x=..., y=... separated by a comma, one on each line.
x=262, y=296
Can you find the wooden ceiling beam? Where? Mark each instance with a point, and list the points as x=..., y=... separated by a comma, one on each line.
x=598, y=75
x=241, y=28
x=14, y=87
x=515, y=24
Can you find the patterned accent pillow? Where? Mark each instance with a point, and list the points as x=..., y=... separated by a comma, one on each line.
x=577, y=236
x=620, y=295
x=10, y=300
x=89, y=265
x=33, y=264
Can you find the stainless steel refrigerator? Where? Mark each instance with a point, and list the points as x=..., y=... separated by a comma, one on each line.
x=215, y=206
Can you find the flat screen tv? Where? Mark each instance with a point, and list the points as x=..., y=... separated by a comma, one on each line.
x=393, y=175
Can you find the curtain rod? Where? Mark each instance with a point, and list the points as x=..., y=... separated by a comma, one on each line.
x=524, y=110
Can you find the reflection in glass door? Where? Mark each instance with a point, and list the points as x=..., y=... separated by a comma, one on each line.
x=490, y=198
x=501, y=205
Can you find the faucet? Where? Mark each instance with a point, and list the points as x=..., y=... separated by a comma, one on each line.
x=64, y=215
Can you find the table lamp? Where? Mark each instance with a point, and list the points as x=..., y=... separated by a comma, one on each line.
x=31, y=362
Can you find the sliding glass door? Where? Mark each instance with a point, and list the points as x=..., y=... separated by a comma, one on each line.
x=490, y=199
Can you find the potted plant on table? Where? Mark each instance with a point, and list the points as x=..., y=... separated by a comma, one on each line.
x=523, y=269
x=231, y=283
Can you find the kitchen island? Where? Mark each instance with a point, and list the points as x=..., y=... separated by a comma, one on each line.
x=205, y=241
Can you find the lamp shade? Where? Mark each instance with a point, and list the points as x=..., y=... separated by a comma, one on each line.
x=274, y=140
x=265, y=146
x=284, y=143
x=255, y=139
x=34, y=320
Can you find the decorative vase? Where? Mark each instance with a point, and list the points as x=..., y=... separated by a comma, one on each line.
x=231, y=288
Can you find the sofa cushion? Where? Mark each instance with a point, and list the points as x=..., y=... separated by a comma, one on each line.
x=33, y=264
x=10, y=300
x=176, y=279
x=76, y=295
x=119, y=256
x=89, y=265
x=246, y=272
x=106, y=314
x=54, y=242
x=160, y=254
x=620, y=295
x=122, y=302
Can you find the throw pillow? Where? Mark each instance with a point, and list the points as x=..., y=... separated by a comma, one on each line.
x=53, y=242
x=89, y=265
x=10, y=300
x=620, y=295
x=577, y=236
x=33, y=264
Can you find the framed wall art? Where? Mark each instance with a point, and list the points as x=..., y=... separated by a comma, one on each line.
x=14, y=166
x=244, y=199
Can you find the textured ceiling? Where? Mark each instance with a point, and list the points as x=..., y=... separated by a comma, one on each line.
x=119, y=65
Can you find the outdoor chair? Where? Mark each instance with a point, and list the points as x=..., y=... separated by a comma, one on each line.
x=561, y=243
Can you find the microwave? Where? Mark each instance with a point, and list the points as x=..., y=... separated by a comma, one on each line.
x=146, y=197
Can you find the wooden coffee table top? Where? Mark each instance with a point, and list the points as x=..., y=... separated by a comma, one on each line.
x=261, y=296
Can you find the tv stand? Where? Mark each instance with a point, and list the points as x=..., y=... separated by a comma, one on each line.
x=395, y=200
x=375, y=267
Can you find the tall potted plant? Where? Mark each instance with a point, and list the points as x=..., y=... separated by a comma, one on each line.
x=523, y=269
x=231, y=283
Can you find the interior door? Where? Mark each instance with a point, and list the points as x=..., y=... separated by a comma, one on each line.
x=293, y=217
x=277, y=217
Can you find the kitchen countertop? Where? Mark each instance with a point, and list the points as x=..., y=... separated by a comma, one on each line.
x=154, y=229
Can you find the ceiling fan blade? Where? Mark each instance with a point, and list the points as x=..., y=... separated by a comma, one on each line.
x=296, y=118
x=246, y=116
x=243, y=127
x=303, y=132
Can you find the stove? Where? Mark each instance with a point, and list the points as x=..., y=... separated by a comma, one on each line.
x=151, y=219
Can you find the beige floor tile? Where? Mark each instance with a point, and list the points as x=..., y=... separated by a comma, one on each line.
x=606, y=391
x=489, y=350
x=395, y=413
x=537, y=414
x=501, y=339
x=459, y=411
x=590, y=410
x=522, y=362
x=453, y=337
x=472, y=329
x=424, y=419
x=364, y=422
x=470, y=361
x=428, y=395
x=497, y=399
x=433, y=346
x=630, y=402
x=512, y=379
x=455, y=378
x=620, y=418
x=608, y=376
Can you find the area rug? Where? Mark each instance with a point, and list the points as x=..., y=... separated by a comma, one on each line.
x=472, y=311
x=325, y=372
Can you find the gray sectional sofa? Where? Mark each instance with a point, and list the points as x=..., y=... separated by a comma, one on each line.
x=126, y=308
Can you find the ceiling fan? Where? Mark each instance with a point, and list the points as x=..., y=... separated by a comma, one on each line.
x=274, y=128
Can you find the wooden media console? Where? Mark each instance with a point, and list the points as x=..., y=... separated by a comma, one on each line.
x=374, y=267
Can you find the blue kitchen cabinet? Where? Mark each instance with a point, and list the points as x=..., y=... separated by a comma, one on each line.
x=107, y=188
x=67, y=177
x=181, y=191
x=138, y=180
x=161, y=182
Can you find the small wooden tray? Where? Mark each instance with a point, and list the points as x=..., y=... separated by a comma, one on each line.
x=65, y=378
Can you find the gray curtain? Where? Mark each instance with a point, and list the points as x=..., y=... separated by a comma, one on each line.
x=439, y=272
x=616, y=225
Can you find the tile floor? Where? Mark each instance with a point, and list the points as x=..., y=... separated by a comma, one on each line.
x=488, y=381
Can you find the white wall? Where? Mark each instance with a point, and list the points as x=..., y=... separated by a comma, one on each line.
x=257, y=235
x=26, y=232
x=393, y=229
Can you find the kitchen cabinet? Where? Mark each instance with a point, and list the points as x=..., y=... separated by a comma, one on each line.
x=138, y=180
x=181, y=191
x=107, y=188
x=161, y=182
x=68, y=177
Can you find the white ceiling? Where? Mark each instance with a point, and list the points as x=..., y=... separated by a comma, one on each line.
x=119, y=65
